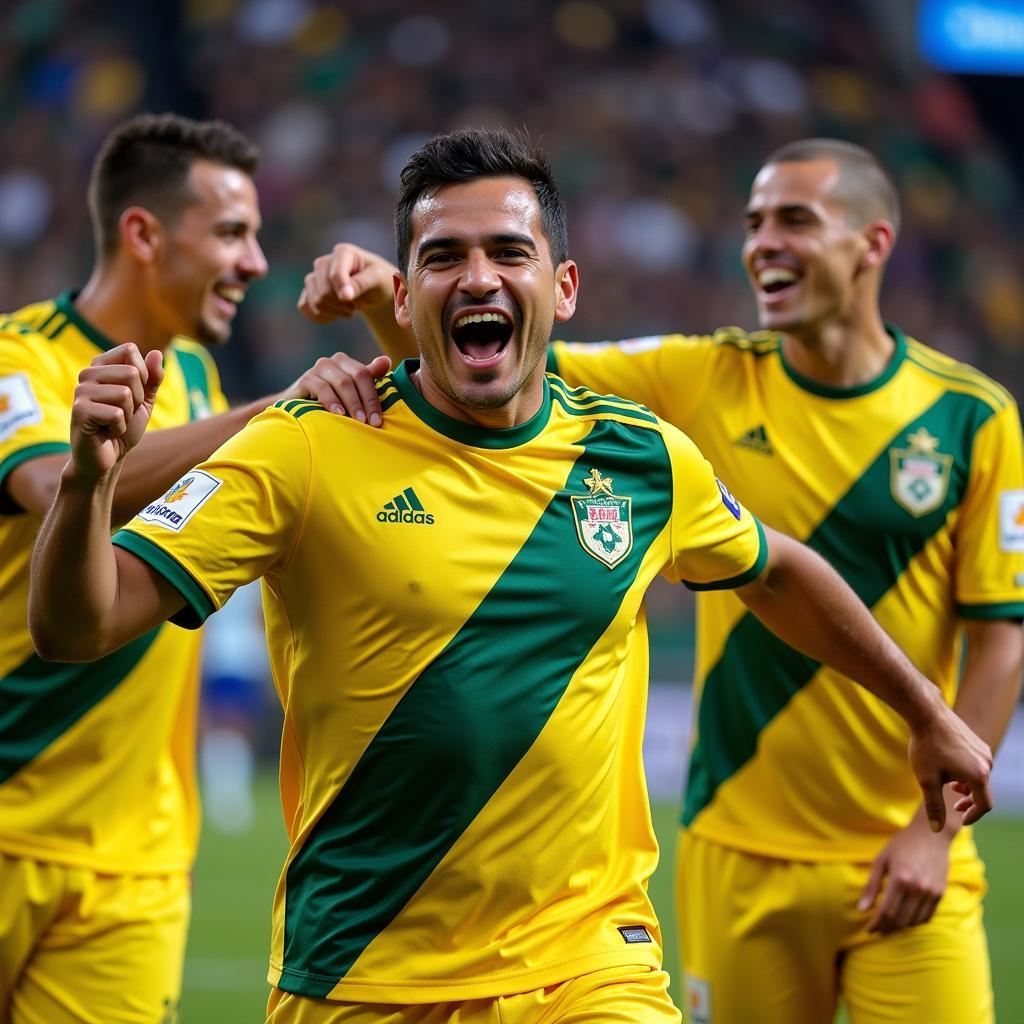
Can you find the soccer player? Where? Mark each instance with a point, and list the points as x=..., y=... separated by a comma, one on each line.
x=806, y=866
x=98, y=814
x=454, y=606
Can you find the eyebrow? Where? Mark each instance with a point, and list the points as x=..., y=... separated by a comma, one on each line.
x=451, y=242
x=750, y=212
x=234, y=223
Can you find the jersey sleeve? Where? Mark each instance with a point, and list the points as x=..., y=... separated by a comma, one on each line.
x=230, y=520
x=669, y=374
x=717, y=544
x=990, y=533
x=35, y=417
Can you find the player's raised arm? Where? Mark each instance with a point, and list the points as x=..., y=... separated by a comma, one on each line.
x=87, y=598
x=807, y=604
x=350, y=280
x=161, y=456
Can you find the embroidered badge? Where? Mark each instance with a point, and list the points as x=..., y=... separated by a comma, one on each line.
x=603, y=521
x=919, y=475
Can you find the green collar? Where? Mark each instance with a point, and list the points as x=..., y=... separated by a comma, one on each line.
x=829, y=391
x=65, y=303
x=468, y=433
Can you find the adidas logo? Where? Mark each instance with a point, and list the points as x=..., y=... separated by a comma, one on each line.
x=405, y=508
x=756, y=440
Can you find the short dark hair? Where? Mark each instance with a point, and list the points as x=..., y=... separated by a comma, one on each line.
x=865, y=187
x=471, y=153
x=146, y=161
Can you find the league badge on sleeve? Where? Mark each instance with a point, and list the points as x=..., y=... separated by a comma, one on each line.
x=919, y=475
x=1011, y=521
x=604, y=522
x=729, y=501
x=18, y=405
x=182, y=501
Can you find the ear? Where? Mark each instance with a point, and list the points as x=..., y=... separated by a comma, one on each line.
x=141, y=233
x=402, y=315
x=567, y=284
x=880, y=238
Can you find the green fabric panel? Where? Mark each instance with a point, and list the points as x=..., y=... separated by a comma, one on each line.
x=468, y=433
x=196, y=379
x=198, y=607
x=41, y=700
x=1006, y=610
x=869, y=539
x=386, y=403
x=65, y=303
x=467, y=721
x=309, y=408
x=834, y=392
x=552, y=361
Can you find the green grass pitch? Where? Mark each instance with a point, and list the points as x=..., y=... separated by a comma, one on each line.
x=235, y=876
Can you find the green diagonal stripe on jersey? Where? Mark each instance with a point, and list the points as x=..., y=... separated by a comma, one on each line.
x=197, y=383
x=40, y=701
x=758, y=674
x=467, y=721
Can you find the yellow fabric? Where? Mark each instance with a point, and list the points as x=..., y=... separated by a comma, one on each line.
x=78, y=947
x=463, y=678
x=765, y=938
x=108, y=785
x=615, y=996
x=828, y=778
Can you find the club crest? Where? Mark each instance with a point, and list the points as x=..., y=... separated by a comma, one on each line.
x=919, y=475
x=604, y=522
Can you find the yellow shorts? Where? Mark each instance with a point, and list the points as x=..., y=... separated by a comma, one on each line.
x=77, y=947
x=777, y=941
x=619, y=995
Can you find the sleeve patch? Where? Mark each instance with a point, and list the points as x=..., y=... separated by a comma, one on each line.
x=18, y=405
x=1011, y=521
x=181, y=502
x=729, y=501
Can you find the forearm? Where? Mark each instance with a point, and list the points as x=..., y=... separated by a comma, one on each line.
x=805, y=602
x=73, y=595
x=163, y=456
x=991, y=681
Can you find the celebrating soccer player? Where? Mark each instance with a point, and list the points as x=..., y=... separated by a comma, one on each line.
x=98, y=815
x=463, y=683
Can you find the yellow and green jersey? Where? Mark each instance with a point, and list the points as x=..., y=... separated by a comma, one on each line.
x=457, y=636
x=911, y=486
x=96, y=760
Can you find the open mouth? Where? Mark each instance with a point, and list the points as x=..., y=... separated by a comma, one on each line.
x=773, y=280
x=230, y=293
x=482, y=337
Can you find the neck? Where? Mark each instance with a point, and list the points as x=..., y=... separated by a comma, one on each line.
x=841, y=355
x=114, y=302
x=523, y=405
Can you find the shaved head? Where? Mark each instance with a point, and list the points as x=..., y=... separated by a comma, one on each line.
x=863, y=187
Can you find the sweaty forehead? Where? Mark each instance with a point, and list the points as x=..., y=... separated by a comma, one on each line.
x=223, y=188
x=486, y=206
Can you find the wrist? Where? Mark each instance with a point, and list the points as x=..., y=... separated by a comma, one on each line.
x=74, y=479
x=926, y=708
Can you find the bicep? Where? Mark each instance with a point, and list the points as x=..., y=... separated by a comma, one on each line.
x=31, y=486
x=145, y=598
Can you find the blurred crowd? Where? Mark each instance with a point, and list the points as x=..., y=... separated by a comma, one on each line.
x=656, y=114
